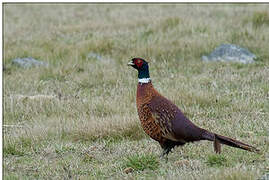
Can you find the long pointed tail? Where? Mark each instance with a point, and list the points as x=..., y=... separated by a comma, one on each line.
x=219, y=139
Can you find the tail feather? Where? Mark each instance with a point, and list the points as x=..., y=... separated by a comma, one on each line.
x=234, y=143
x=219, y=139
x=217, y=146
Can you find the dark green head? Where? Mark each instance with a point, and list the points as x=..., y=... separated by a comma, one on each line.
x=142, y=66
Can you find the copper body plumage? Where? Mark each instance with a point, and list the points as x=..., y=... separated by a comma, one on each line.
x=164, y=122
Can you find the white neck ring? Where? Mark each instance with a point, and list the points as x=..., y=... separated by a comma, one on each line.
x=144, y=80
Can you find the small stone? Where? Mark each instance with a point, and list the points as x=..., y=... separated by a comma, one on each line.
x=230, y=53
x=28, y=62
x=128, y=170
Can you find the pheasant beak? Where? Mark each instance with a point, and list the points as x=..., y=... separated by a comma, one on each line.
x=131, y=63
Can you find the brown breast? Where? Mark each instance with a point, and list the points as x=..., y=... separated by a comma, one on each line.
x=145, y=92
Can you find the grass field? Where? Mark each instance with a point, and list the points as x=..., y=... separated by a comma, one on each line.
x=77, y=119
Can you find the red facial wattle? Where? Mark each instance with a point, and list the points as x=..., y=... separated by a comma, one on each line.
x=138, y=63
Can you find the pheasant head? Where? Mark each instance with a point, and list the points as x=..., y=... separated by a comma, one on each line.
x=142, y=67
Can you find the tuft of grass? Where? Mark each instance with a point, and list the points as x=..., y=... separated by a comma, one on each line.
x=260, y=18
x=217, y=160
x=140, y=162
x=12, y=149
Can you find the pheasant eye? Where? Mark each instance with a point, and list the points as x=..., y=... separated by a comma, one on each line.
x=138, y=63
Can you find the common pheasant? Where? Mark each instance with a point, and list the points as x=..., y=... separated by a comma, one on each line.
x=164, y=122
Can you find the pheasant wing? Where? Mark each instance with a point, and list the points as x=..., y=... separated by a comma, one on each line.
x=163, y=112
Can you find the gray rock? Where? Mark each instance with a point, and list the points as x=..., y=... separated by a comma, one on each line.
x=230, y=53
x=28, y=62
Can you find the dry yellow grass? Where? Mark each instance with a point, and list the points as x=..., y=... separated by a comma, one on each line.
x=84, y=122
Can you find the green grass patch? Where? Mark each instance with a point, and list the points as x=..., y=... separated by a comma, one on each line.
x=140, y=162
x=217, y=160
x=12, y=149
